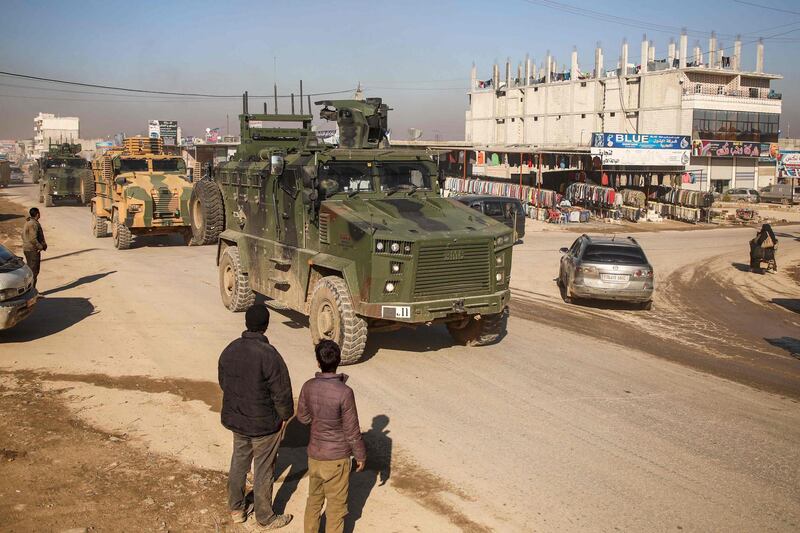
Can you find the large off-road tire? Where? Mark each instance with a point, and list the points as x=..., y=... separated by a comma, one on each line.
x=87, y=191
x=206, y=212
x=123, y=238
x=48, y=200
x=99, y=226
x=488, y=329
x=234, y=284
x=333, y=317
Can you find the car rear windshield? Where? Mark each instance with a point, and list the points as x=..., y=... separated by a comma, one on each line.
x=608, y=253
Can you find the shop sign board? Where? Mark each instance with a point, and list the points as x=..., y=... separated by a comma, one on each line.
x=789, y=164
x=726, y=149
x=770, y=153
x=166, y=130
x=642, y=141
x=641, y=157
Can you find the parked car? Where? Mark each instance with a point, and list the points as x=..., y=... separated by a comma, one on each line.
x=780, y=193
x=17, y=175
x=606, y=268
x=17, y=293
x=501, y=208
x=746, y=195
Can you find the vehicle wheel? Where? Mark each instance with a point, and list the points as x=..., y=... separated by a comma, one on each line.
x=332, y=317
x=234, y=285
x=99, y=226
x=646, y=306
x=488, y=329
x=123, y=238
x=48, y=201
x=87, y=191
x=206, y=212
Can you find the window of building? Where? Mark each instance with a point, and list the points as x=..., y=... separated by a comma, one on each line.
x=613, y=114
x=583, y=115
x=735, y=125
x=536, y=119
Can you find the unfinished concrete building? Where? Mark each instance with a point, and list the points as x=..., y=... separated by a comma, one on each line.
x=710, y=96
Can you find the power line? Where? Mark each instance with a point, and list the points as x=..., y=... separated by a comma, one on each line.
x=767, y=7
x=153, y=91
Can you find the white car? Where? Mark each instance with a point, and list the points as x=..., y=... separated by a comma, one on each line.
x=17, y=293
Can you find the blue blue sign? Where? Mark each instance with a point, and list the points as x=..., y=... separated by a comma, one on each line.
x=641, y=140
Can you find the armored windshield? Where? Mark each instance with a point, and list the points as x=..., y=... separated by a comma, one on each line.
x=169, y=165
x=404, y=176
x=345, y=177
x=133, y=165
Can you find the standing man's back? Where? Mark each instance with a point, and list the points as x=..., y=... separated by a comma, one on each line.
x=256, y=403
x=329, y=405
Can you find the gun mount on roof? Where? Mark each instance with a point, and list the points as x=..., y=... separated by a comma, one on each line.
x=362, y=124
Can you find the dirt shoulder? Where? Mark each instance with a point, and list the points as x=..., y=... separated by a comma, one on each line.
x=12, y=219
x=57, y=473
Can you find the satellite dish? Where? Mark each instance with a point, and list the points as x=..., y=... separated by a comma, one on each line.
x=414, y=134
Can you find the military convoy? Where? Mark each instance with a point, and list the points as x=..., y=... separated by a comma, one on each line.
x=354, y=236
x=64, y=175
x=140, y=191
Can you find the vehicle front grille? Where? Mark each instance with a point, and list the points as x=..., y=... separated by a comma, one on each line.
x=450, y=269
x=71, y=182
x=165, y=202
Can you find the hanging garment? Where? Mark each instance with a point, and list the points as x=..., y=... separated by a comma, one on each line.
x=495, y=159
x=604, y=180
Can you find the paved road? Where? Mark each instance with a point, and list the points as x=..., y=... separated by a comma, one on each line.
x=549, y=430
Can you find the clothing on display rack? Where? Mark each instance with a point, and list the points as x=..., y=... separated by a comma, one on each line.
x=686, y=198
x=633, y=198
x=593, y=195
x=531, y=195
x=687, y=214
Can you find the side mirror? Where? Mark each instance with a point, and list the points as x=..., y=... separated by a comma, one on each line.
x=119, y=180
x=564, y=250
x=276, y=164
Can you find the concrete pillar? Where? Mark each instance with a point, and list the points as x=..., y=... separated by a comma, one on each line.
x=671, y=52
x=645, y=54
x=712, y=50
x=548, y=67
x=737, y=54
x=520, y=79
x=651, y=52
x=508, y=72
x=473, y=76
x=598, y=61
x=495, y=76
x=698, y=55
x=624, y=60
x=720, y=53
x=528, y=72
x=760, y=56
x=534, y=74
x=573, y=67
x=684, y=49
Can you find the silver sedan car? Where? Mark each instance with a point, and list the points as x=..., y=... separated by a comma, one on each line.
x=17, y=293
x=606, y=268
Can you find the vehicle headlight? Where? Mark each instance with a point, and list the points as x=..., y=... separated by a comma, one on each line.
x=395, y=247
x=498, y=277
x=389, y=287
x=499, y=260
x=395, y=268
x=379, y=246
x=407, y=248
x=7, y=294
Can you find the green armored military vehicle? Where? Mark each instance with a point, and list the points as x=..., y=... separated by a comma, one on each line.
x=354, y=236
x=64, y=175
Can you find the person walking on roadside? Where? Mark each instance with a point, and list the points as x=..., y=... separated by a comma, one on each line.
x=33, y=243
x=330, y=407
x=257, y=402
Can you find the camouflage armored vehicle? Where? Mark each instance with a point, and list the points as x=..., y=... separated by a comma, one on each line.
x=354, y=236
x=64, y=175
x=5, y=173
x=140, y=191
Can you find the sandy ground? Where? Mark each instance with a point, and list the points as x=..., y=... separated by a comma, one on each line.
x=582, y=418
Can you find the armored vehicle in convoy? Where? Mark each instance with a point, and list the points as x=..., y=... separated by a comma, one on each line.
x=354, y=236
x=64, y=175
x=140, y=191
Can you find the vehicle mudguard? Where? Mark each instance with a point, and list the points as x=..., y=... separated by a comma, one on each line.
x=237, y=238
x=346, y=267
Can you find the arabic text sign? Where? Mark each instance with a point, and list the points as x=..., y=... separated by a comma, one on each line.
x=725, y=149
x=641, y=141
x=642, y=157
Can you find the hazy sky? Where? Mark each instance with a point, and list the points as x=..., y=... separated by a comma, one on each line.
x=415, y=54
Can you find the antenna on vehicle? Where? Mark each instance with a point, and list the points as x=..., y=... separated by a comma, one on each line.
x=244, y=103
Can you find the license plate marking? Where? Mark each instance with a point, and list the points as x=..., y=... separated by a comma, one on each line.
x=614, y=277
x=396, y=311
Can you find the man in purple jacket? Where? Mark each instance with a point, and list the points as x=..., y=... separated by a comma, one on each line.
x=330, y=407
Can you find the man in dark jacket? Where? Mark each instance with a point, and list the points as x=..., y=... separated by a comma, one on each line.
x=330, y=407
x=33, y=243
x=256, y=404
